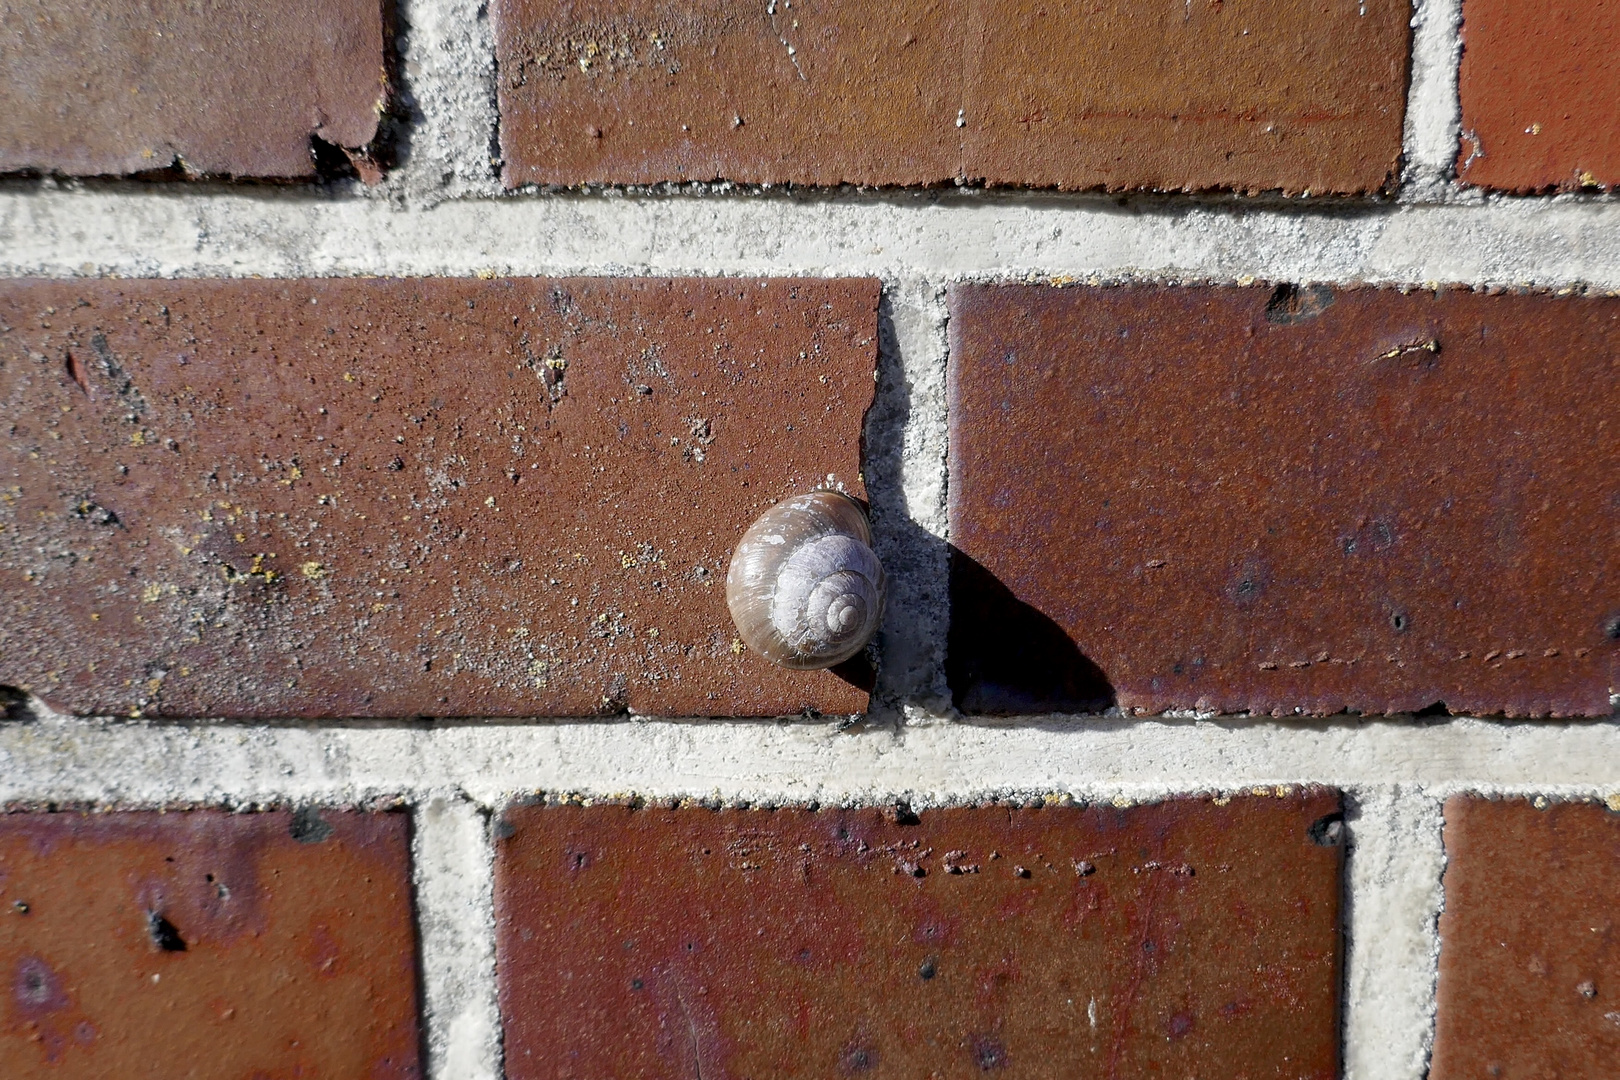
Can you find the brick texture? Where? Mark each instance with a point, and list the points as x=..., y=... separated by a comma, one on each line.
x=206, y=944
x=1540, y=94
x=235, y=87
x=1289, y=500
x=1192, y=937
x=406, y=497
x=1251, y=94
x=1529, y=942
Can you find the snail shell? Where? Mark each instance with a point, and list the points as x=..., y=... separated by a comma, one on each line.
x=804, y=587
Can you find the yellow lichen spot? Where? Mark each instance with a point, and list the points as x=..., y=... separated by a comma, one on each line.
x=490, y=501
x=1260, y=791
x=1588, y=179
x=95, y=616
x=736, y=646
x=241, y=538
x=486, y=274
x=1121, y=802
x=313, y=570
x=137, y=438
x=1221, y=800
x=1283, y=790
x=1613, y=802
x=348, y=376
x=151, y=594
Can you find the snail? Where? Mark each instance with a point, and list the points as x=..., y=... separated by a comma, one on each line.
x=804, y=587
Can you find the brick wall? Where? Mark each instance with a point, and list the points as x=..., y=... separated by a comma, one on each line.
x=1232, y=385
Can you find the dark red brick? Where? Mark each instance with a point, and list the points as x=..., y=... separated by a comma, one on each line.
x=403, y=497
x=1540, y=95
x=207, y=944
x=1190, y=937
x=1290, y=500
x=1270, y=94
x=91, y=87
x=1529, y=941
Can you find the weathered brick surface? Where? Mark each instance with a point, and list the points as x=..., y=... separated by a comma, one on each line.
x=91, y=87
x=1529, y=942
x=404, y=497
x=1192, y=937
x=1540, y=94
x=207, y=944
x=1300, y=500
x=1256, y=94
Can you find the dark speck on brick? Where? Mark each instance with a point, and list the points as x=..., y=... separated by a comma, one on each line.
x=857, y=1059
x=988, y=1053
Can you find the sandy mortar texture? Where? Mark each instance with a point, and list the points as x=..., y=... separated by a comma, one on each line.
x=442, y=212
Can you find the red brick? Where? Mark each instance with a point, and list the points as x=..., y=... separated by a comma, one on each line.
x=90, y=87
x=1529, y=941
x=1263, y=94
x=1195, y=936
x=207, y=944
x=1540, y=95
x=403, y=497
x=1242, y=499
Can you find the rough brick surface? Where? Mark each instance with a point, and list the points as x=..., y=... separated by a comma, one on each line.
x=1192, y=937
x=1284, y=500
x=92, y=87
x=1252, y=94
x=406, y=497
x=1529, y=942
x=1540, y=94
x=206, y=944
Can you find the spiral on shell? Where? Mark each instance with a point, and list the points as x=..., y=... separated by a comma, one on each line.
x=804, y=586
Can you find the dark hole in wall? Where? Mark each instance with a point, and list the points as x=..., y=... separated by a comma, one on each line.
x=1327, y=831
x=1004, y=657
x=308, y=827
x=1292, y=304
x=163, y=934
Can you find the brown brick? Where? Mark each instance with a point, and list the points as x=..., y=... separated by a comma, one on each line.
x=1189, y=937
x=1529, y=942
x=403, y=497
x=90, y=87
x=1242, y=499
x=1260, y=94
x=207, y=944
x=1540, y=95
